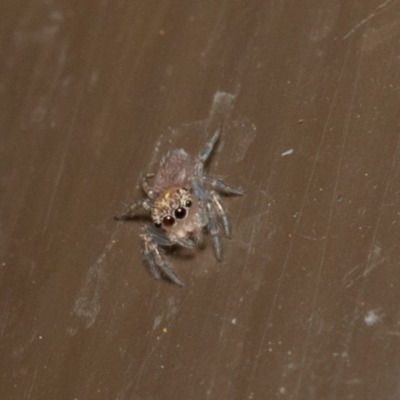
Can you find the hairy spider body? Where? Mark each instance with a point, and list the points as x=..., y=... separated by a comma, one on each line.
x=183, y=202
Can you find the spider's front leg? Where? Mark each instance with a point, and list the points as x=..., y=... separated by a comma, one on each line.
x=206, y=152
x=130, y=211
x=153, y=241
x=145, y=203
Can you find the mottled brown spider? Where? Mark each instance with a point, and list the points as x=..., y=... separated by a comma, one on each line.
x=183, y=202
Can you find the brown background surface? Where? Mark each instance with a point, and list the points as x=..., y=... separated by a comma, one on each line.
x=306, y=304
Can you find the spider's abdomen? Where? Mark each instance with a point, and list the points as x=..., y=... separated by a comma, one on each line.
x=175, y=170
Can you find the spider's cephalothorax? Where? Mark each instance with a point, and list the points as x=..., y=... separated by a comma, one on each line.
x=170, y=207
x=183, y=202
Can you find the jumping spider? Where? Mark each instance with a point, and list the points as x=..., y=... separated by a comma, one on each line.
x=183, y=202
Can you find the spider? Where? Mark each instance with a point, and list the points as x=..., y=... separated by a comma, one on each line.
x=183, y=202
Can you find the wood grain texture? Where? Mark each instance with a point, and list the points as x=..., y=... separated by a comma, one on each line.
x=306, y=304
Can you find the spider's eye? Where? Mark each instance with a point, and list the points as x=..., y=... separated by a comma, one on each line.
x=168, y=220
x=157, y=224
x=180, y=213
x=188, y=203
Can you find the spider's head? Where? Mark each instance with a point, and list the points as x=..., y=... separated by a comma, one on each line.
x=173, y=211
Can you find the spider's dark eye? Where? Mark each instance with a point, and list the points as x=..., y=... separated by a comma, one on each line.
x=157, y=224
x=168, y=220
x=180, y=213
x=188, y=203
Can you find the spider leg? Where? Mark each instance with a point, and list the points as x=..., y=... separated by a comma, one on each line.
x=144, y=181
x=209, y=146
x=220, y=210
x=198, y=190
x=153, y=254
x=131, y=210
x=224, y=188
x=206, y=152
x=210, y=215
x=162, y=239
x=213, y=228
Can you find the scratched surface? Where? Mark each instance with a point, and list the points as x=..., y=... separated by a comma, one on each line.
x=306, y=304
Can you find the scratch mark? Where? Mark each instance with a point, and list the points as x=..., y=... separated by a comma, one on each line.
x=382, y=34
x=156, y=151
x=74, y=119
x=374, y=259
x=361, y=290
x=87, y=305
x=214, y=36
x=393, y=333
x=20, y=350
x=287, y=153
x=330, y=218
x=172, y=309
x=365, y=20
x=315, y=239
x=136, y=375
x=347, y=280
x=32, y=384
x=157, y=322
x=244, y=131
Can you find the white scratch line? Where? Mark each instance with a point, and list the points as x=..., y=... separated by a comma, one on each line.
x=156, y=150
x=364, y=21
x=287, y=152
x=87, y=305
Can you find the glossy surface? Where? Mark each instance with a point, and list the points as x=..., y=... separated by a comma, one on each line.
x=306, y=304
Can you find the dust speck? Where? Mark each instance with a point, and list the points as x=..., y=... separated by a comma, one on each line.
x=372, y=317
